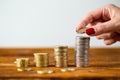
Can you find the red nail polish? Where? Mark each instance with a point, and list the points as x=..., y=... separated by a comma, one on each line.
x=90, y=31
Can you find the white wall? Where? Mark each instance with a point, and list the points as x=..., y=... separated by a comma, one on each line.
x=41, y=23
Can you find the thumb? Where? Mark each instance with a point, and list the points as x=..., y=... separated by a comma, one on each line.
x=101, y=28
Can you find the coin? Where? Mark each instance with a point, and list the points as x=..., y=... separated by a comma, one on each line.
x=82, y=51
x=45, y=71
x=59, y=47
x=81, y=31
x=64, y=69
x=24, y=69
x=41, y=59
x=61, y=56
x=61, y=53
x=22, y=62
x=61, y=50
x=50, y=71
x=82, y=38
x=67, y=69
x=42, y=71
x=61, y=61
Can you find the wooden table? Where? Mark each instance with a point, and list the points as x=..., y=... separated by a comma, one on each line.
x=104, y=64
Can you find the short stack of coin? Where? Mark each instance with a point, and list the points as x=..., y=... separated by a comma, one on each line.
x=41, y=59
x=22, y=62
x=82, y=51
x=61, y=56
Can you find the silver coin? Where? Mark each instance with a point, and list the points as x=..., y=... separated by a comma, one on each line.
x=82, y=51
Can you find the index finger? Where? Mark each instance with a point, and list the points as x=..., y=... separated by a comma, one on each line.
x=90, y=17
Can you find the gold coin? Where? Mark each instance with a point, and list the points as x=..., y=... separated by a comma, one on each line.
x=20, y=69
x=67, y=69
x=24, y=69
x=61, y=47
x=41, y=59
x=61, y=61
x=45, y=71
x=60, y=53
x=42, y=72
x=22, y=62
x=41, y=54
x=50, y=71
x=64, y=69
x=71, y=69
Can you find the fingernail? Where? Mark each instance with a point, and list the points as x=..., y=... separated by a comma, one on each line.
x=90, y=31
x=76, y=30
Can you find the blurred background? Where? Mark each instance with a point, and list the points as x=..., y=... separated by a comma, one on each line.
x=45, y=23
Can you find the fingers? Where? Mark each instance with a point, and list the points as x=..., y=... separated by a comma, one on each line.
x=109, y=41
x=107, y=14
x=109, y=38
x=106, y=36
x=101, y=28
x=117, y=37
x=112, y=40
x=92, y=16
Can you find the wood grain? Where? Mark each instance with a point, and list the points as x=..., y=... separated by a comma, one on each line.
x=104, y=64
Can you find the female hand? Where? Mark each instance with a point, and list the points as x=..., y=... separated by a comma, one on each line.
x=104, y=23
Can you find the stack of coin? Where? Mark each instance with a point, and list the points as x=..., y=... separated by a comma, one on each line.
x=60, y=55
x=22, y=62
x=41, y=59
x=82, y=51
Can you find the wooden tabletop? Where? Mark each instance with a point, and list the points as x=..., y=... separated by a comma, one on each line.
x=104, y=64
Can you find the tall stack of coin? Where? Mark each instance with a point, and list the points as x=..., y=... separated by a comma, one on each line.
x=60, y=55
x=82, y=51
x=41, y=59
